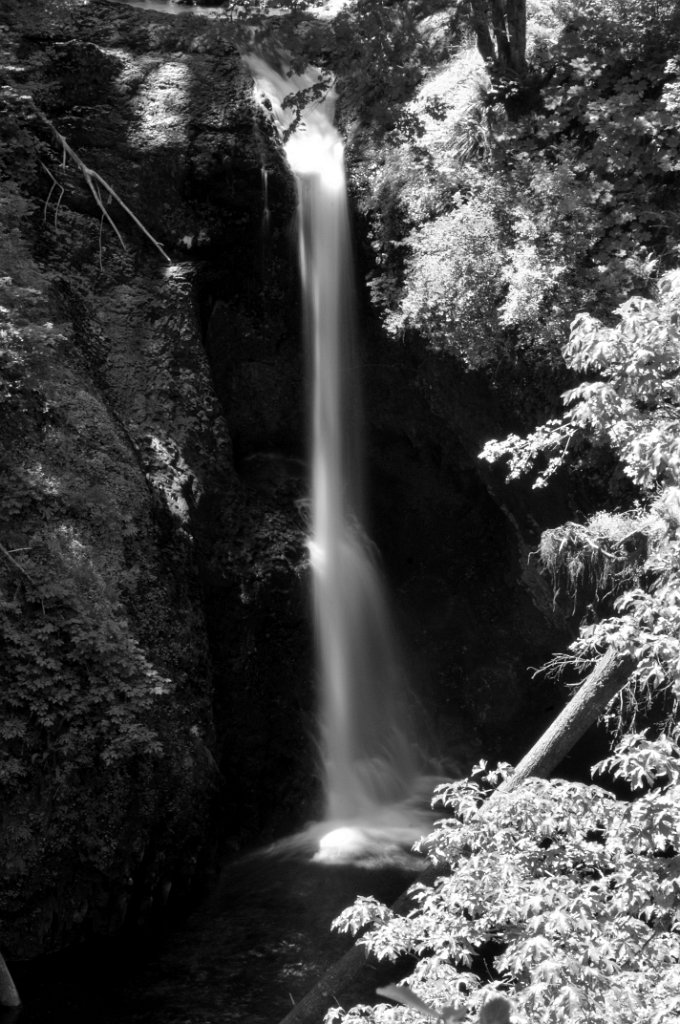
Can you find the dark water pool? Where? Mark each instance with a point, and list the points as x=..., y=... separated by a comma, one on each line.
x=254, y=948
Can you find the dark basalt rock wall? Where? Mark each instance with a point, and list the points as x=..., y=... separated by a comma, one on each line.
x=457, y=542
x=156, y=665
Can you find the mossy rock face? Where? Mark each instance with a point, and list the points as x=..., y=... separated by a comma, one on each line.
x=124, y=682
x=106, y=684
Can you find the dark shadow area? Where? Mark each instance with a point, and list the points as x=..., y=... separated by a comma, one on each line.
x=248, y=954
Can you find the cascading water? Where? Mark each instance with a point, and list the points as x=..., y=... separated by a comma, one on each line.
x=370, y=766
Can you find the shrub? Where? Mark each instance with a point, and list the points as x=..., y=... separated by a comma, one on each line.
x=558, y=893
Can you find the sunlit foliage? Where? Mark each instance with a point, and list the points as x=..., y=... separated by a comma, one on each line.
x=520, y=210
x=559, y=894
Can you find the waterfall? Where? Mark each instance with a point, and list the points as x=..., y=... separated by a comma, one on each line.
x=368, y=756
x=266, y=213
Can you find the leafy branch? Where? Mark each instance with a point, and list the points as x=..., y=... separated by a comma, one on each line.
x=567, y=894
x=632, y=405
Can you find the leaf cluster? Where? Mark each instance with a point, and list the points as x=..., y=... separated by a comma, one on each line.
x=558, y=893
x=504, y=227
x=630, y=402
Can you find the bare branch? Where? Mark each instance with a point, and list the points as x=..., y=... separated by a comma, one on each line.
x=95, y=182
x=94, y=189
x=55, y=184
x=47, y=201
x=101, y=228
x=13, y=561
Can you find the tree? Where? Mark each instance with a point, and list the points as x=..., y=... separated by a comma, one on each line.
x=559, y=893
x=629, y=404
x=501, y=30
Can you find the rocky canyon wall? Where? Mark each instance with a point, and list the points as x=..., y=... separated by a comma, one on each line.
x=155, y=669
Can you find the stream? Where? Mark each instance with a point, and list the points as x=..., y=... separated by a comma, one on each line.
x=248, y=954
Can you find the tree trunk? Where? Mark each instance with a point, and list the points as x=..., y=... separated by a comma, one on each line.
x=8, y=990
x=516, y=18
x=312, y=1007
x=480, y=24
x=585, y=707
x=501, y=29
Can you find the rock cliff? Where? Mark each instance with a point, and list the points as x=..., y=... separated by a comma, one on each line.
x=151, y=563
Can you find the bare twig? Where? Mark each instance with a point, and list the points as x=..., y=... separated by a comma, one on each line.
x=93, y=184
x=55, y=184
x=101, y=228
x=49, y=196
x=17, y=565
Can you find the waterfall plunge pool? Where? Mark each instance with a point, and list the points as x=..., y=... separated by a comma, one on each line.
x=246, y=956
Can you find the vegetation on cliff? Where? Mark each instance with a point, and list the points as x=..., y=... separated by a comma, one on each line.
x=100, y=741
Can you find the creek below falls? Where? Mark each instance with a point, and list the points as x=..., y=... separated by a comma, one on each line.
x=252, y=950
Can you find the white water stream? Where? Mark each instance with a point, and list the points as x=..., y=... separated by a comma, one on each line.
x=370, y=764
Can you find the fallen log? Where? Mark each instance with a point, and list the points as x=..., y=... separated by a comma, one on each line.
x=609, y=675
x=606, y=679
x=9, y=995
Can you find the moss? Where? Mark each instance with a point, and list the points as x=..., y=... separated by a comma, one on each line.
x=601, y=556
x=104, y=764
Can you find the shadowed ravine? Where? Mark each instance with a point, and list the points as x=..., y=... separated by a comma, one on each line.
x=277, y=557
x=248, y=955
